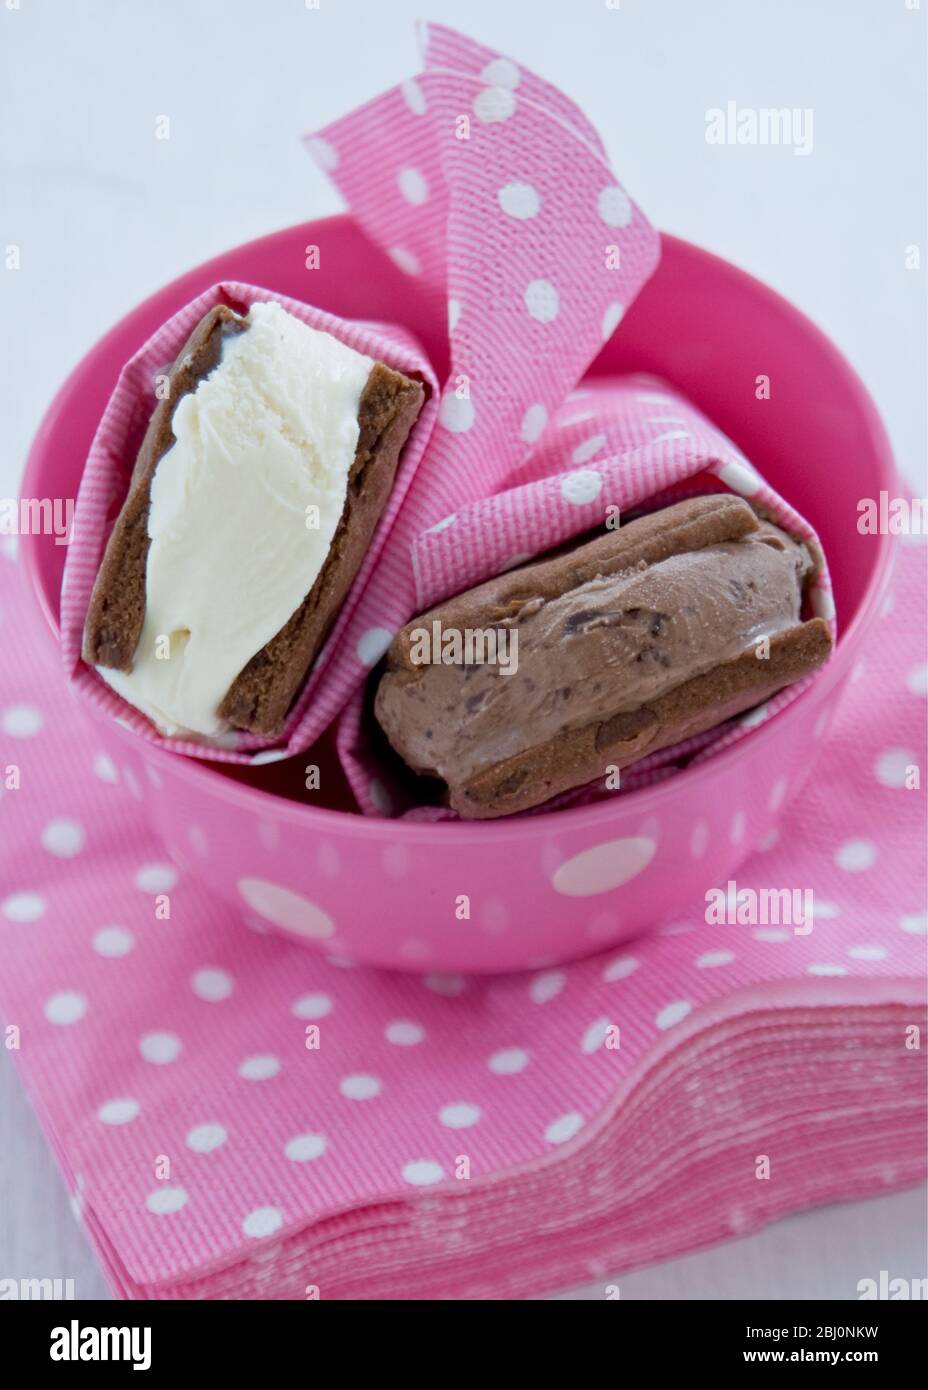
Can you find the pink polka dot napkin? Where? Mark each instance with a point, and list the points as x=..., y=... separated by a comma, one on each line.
x=237, y=1117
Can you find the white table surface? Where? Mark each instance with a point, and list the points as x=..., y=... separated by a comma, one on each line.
x=103, y=214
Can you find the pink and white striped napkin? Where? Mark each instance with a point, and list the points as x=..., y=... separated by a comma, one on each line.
x=455, y=1137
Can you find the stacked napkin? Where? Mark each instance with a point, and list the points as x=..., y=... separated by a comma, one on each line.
x=443, y=1136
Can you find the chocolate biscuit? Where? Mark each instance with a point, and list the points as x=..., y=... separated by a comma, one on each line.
x=632, y=642
x=263, y=691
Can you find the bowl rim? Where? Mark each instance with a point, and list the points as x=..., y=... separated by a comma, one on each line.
x=207, y=779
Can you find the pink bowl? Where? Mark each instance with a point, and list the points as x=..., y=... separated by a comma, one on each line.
x=546, y=888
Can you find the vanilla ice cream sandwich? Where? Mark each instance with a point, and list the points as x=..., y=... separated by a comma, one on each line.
x=254, y=497
x=617, y=648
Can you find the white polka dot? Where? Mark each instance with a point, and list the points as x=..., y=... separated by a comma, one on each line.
x=372, y=644
x=777, y=794
x=359, y=1087
x=710, y=959
x=414, y=97
x=457, y=413
x=519, y=200
x=739, y=479
x=856, y=855
x=64, y=838
x=381, y=798
x=581, y=487
x=509, y=1061
x=402, y=1033
x=769, y=840
x=442, y=525
x=67, y=1007
x=916, y=923
x=620, y=968
x=858, y=670
x=822, y=722
x=405, y=260
x=286, y=909
x=454, y=314
x=460, y=1116
x=23, y=907
x=113, y=941
x=547, y=986
x=413, y=186
x=500, y=72
x=673, y=1013
x=305, y=1147
x=269, y=755
x=614, y=206
x=263, y=1221
x=259, y=1068
x=595, y=1035
x=105, y=768
x=564, y=1128
x=448, y=985
x=867, y=952
x=738, y=826
x=323, y=152
x=118, y=1112
x=826, y=969
x=21, y=721
x=822, y=908
x=580, y=419
x=603, y=867
x=917, y=680
x=156, y=878
x=541, y=300
x=211, y=984
x=699, y=839
x=165, y=1201
x=771, y=934
x=312, y=1006
x=588, y=449
x=202, y=1139
x=892, y=767
x=494, y=104
x=197, y=840
x=160, y=1048
x=423, y=1172
x=612, y=317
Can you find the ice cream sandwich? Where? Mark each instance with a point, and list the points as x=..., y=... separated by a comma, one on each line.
x=257, y=488
x=653, y=632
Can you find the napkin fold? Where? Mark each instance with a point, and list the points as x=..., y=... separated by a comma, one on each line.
x=238, y=1117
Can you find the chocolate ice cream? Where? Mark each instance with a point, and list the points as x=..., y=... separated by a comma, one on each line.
x=647, y=635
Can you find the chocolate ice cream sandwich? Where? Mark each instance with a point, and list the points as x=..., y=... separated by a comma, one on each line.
x=624, y=645
x=254, y=497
